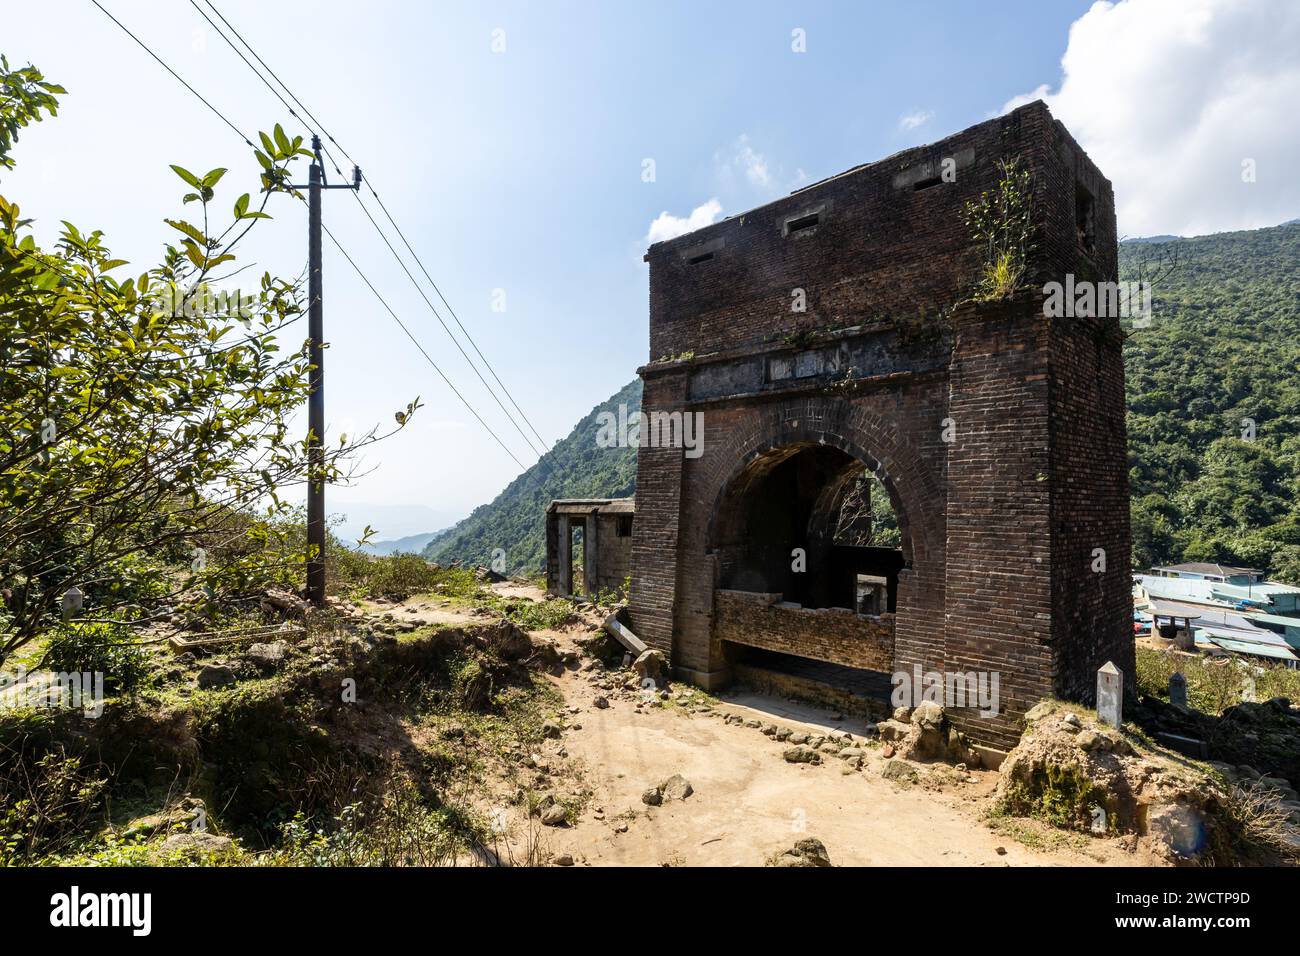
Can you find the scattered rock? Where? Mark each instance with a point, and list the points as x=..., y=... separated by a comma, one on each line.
x=564, y=859
x=649, y=665
x=928, y=715
x=652, y=797
x=601, y=703
x=801, y=754
x=676, y=787
x=555, y=816
x=285, y=603
x=899, y=771
x=807, y=852
x=893, y=730
x=196, y=843
x=551, y=729
x=215, y=675
x=268, y=657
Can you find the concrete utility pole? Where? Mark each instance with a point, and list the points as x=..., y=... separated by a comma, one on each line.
x=316, y=399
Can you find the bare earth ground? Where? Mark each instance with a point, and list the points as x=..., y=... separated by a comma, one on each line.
x=749, y=804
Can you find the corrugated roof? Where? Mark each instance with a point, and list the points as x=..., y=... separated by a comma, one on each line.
x=1274, y=619
x=1256, y=591
x=1197, y=567
x=1274, y=651
x=589, y=505
x=1178, y=589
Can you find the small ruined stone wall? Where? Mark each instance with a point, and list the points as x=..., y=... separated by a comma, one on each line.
x=836, y=635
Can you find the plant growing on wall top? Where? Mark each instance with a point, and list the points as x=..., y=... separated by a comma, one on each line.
x=1001, y=220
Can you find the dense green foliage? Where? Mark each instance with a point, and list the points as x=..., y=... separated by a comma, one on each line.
x=577, y=467
x=1223, y=346
x=144, y=417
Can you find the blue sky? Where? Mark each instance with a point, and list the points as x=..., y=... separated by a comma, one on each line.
x=522, y=170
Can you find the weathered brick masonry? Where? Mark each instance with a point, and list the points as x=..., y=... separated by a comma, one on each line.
x=826, y=634
x=1000, y=523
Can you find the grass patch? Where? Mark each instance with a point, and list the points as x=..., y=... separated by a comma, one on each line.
x=1213, y=687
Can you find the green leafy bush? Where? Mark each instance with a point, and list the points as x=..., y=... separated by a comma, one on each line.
x=104, y=647
x=45, y=803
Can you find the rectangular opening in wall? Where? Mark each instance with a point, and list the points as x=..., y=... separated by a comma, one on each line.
x=926, y=183
x=1085, y=218
x=623, y=527
x=577, y=557
x=702, y=257
x=872, y=594
x=802, y=223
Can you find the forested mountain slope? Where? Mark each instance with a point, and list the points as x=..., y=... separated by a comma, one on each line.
x=576, y=467
x=1214, y=403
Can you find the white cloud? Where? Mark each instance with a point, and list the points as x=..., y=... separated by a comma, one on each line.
x=742, y=160
x=914, y=119
x=753, y=163
x=668, y=226
x=1171, y=97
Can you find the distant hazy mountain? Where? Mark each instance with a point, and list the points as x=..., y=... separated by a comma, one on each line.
x=411, y=544
x=391, y=522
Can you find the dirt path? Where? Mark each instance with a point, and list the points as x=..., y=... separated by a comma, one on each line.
x=749, y=804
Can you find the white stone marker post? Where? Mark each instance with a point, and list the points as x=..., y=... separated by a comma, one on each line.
x=1110, y=695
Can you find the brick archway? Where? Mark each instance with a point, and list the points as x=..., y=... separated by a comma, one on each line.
x=998, y=431
x=864, y=436
x=864, y=432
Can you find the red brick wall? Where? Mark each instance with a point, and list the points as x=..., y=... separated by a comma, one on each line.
x=654, y=533
x=999, y=600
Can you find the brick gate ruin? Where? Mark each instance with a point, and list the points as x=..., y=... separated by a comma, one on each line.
x=997, y=433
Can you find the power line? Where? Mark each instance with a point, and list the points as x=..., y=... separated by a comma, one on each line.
x=420, y=263
x=505, y=411
x=146, y=49
x=415, y=283
x=397, y=228
x=417, y=344
x=277, y=79
x=372, y=288
x=245, y=59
